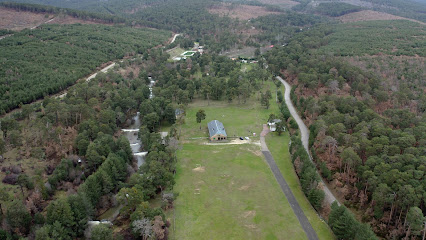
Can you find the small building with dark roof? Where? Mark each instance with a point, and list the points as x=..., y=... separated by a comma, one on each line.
x=216, y=131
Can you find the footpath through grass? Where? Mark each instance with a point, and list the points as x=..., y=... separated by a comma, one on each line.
x=278, y=146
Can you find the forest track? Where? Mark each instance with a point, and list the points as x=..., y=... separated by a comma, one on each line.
x=329, y=197
x=174, y=38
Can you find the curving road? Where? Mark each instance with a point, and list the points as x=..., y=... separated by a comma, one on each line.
x=329, y=197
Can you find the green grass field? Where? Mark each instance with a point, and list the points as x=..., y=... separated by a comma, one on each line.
x=175, y=52
x=232, y=196
x=228, y=191
x=188, y=53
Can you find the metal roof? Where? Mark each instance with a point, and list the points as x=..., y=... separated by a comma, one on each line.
x=216, y=127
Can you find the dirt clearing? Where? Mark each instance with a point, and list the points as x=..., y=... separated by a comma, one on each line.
x=369, y=15
x=71, y=20
x=242, y=12
x=18, y=20
x=199, y=169
x=286, y=4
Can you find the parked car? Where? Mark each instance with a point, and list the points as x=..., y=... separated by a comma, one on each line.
x=241, y=138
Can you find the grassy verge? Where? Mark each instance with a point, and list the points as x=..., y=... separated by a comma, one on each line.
x=278, y=145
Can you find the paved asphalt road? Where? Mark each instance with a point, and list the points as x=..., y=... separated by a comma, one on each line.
x=304, y=222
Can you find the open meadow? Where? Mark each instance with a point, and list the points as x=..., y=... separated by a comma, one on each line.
x=227, y=191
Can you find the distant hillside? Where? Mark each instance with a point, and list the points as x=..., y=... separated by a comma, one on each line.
x=110, y=7
x=404, y=8
x=414, y=9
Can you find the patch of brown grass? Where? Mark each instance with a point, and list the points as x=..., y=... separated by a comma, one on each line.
x=18, y=20
x=369, y=15
x=287, y=4
x=242, y=12
x=65, y=19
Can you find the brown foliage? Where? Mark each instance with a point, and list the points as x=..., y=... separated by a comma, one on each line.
x=10, y=179
x=298, y=165
x=159, y=228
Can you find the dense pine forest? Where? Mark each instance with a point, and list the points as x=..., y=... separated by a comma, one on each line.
x=358, y=83
x=44, y=61
x=366, y=139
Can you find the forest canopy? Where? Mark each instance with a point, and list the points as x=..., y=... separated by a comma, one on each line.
x=36, y=63
x=397, y=37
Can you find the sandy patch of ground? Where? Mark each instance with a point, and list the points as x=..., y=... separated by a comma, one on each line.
x=18, y=20
x=242, y=12
x=232, y=142
x=251, y=226
x=249, y=214
x=243, y=188
x=369, y=15
x=199, y=169
x=257, y=153
x=287, y=4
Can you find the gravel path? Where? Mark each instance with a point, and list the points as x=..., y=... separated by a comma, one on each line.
x=329, y=197
x=304, y=222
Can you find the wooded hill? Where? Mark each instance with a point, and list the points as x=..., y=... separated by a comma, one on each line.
x=36, y=63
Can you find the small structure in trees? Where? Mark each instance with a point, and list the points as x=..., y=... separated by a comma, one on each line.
x=216, y=131
x=273, y=124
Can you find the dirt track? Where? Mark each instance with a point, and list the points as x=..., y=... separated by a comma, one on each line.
x=329, y=197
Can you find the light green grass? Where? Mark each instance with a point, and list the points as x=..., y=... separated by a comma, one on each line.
x=246, y=66
x=239, y=197
x=278, y=145
x=239, y=119
x=188, y=53
x=176, y=52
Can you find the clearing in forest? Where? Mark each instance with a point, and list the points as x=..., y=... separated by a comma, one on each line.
x=242, y=12
x=286, y=4
x=18, y=20
x=227, y=191
x=369, y=15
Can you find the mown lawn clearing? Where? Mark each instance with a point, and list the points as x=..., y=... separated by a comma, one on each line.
x=228, y=191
